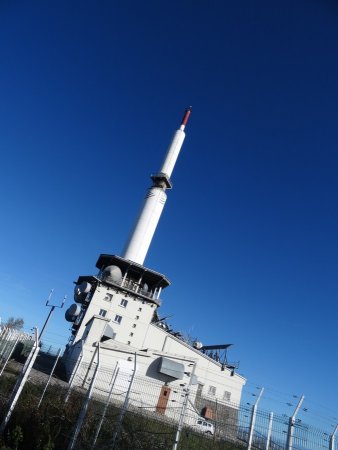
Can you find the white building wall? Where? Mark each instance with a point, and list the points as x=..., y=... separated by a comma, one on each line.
x=208, y=371
x=136, y=335
x=136, y=314
x=156, y=344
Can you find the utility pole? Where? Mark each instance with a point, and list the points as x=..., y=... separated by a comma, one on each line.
x=253, y=419
x=291, y=428
x=52, y=307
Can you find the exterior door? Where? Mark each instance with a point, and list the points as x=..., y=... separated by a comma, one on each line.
x=163, y=400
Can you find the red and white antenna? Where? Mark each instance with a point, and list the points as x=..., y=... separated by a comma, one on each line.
x=144, y=229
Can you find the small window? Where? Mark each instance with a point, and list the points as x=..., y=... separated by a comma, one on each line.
x=137, y=317
x=128, y=342
x=131, y=334
x=199, y=389
x=102, y=312
x=124, y=303
x=140, y=309
x=118, y=319
x=227, y=396
x=212, y=390
x=108, y=297
x=134, y=325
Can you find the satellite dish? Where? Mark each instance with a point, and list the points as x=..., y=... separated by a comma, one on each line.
x=81, y=290
x=197, y=345
x=145, y=288
x=72, y=312
x=112, y=273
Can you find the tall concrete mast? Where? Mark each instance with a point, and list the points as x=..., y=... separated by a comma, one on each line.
x=144, y=229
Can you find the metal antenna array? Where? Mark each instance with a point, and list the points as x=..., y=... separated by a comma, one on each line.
x=52, y=307
x=219, y=353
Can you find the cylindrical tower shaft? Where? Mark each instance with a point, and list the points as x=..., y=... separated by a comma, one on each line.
x=146, y=224
x=143, y=232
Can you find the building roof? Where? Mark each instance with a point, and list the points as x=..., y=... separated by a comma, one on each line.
x=148, y=275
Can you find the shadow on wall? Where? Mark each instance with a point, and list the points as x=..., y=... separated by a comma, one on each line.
x=153, y=372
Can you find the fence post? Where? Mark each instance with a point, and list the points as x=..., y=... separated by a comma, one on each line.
x=72, y=378
x=8, y=335
x=269, y=431
x=9, y=355
x=124, y=407
x=3, y=334
x=115, y=374
x=216, y=420
x=253, y=420
x=49, y=378
x=291, y=428
x=184, y=407
x=333, y=438
x=21, y=382
x=85, y=403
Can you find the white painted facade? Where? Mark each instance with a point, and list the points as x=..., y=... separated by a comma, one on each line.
x=129, y=317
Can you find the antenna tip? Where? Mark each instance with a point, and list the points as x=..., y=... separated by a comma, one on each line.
x=186, y=115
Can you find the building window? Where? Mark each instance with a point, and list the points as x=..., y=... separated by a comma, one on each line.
x=131, y=334
x=128, y=342
x=108, y=297
x=199, y=390
x=140, y=309
x=134, y=325
x=227, y=396
x=124, y=303
x=102, y=313
x=118, y=319
x=137, y=317
x=212, y=390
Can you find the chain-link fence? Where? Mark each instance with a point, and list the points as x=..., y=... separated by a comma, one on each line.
x=109, y=408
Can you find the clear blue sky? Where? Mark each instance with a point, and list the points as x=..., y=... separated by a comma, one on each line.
x=90, y=95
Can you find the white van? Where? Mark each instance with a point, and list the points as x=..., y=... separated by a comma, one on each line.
x=203, y=426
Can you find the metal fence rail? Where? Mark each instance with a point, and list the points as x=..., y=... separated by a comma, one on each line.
x=111, y=408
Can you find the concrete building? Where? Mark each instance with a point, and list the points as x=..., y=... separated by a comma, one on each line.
x=118, y=309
